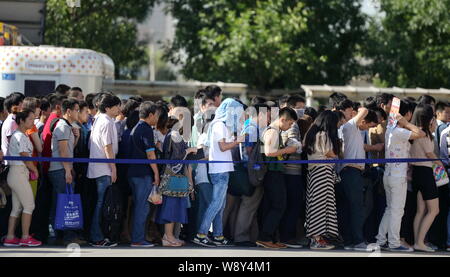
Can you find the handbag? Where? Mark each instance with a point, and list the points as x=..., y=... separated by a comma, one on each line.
x=174, y=185
x=440, y=175
x=69, y=212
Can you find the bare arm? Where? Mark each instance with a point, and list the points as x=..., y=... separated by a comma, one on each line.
x=37, y=142
x=416, y=131
x=269, y=151
x=64, y=153
x=362, y=112
x=433, y=156
x=29, y=164
x=152, y=156
x=225, y=146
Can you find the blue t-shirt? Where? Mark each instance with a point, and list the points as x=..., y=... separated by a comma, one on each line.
x=141, y=142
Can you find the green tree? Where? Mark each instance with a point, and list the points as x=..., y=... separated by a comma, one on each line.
x=267, y=43
x=410, y=45
x=109, y=27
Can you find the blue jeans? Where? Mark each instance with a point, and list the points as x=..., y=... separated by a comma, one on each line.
x=58, y=180
x=141, y=188
x=103, y=183
x=214, y=213
x=204, y=195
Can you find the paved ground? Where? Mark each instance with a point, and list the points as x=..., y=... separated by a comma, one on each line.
x=192, y=251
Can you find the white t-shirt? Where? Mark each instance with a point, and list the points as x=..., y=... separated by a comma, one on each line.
x=201, y=172
x=19, y=143
x=353, y=142
x=103, y=133
x=397, y=147
x=219, y=132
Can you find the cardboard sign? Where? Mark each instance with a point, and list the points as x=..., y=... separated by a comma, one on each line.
x=395, y=108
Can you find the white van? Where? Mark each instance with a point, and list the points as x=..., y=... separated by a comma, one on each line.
x=37, y=70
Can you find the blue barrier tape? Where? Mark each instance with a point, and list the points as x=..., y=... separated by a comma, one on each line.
x=145, y=161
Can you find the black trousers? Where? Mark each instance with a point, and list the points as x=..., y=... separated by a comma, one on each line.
x=295, y=190
x=273, y=205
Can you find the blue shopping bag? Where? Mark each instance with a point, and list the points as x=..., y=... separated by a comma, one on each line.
x=69, y=212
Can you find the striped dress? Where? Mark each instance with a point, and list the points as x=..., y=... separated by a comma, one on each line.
x=321, y=215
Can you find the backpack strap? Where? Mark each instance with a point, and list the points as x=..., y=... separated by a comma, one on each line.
x=53, y=124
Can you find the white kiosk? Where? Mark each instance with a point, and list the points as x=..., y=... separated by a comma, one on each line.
x=38, y=70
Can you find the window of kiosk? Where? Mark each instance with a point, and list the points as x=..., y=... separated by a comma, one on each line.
x=36, y=88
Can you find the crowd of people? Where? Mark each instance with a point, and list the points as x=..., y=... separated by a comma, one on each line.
x=278, y=203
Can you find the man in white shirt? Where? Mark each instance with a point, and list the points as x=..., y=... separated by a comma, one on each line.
x=103, y=145
x=395, y=184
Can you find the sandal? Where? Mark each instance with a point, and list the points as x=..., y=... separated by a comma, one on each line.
x=427, y=249
x=168, y=243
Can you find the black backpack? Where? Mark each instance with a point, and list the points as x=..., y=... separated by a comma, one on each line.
x=112, y=213
x=256, y=168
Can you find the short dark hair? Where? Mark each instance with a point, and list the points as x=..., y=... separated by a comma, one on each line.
x=178, y=101
x=384, y=98
x=294, y=99
x=344, y=104
x=356, y=106
x=370, y=102
x=14, y=99
x=380, y=111
x=427, y=99
x=405, y=107
x=137, y=98
x=335, y=99
x=371, y=117
x=45, y=104
x=311, y=112
x=31, y=103
x=90, y=100
x=82, y=104
x=108, y=101
x=258, y=100
x=129, y=107
x=200, y=94
x=62, y=89
x=69, y=104
x=22, y=115
x=146, y=108
x=213, y=91
x=77, y=88
x=132, y=119
x=440, y=106
x=288, y=113
x=56, y=100
x=98, y=99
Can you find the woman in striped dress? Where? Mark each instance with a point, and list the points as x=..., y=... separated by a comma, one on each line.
x=322, y=143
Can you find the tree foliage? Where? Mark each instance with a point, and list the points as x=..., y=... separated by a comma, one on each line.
x=410, y=45
x=109, y=27
x=267, y=43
